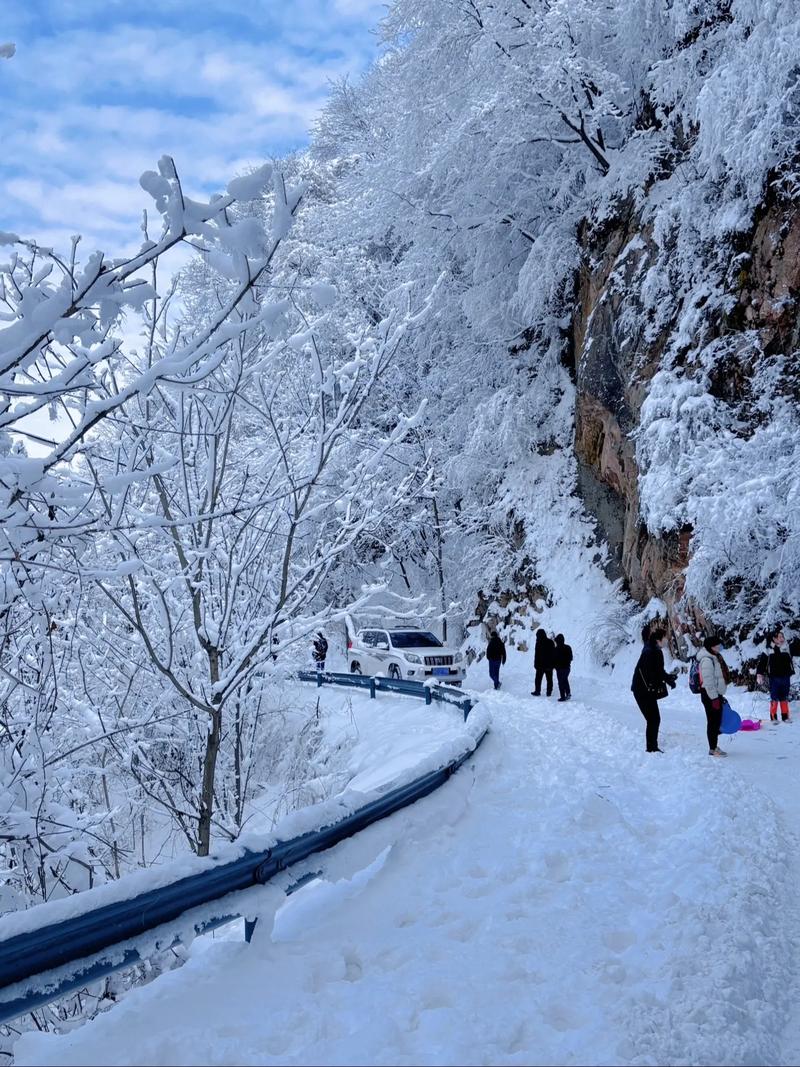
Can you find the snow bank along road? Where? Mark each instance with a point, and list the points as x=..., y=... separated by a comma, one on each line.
x=565, y=899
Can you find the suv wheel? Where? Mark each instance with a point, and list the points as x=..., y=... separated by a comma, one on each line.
x=355, y=667
x=394, y=672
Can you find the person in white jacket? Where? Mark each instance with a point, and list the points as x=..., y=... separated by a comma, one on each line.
x=714, y=678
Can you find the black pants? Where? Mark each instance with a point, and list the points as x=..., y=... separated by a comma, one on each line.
x=543, y=672
x=648, y=705
x=563, y=682
x=494, y=672
x=713, y=720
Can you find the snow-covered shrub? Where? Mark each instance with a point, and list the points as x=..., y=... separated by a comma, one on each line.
x=608, y=632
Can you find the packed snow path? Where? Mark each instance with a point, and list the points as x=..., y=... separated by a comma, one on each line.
x=565, y=899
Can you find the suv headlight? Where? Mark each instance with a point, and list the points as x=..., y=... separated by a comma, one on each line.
x=458, y=657
x=412, y=658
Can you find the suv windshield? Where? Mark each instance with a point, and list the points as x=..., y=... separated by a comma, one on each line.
x=414, y=639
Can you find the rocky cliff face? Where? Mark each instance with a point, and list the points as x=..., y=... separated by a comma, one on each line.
x=612, y=364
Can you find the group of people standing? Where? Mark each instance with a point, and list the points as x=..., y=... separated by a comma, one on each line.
x=651, y=682
x=550, y=654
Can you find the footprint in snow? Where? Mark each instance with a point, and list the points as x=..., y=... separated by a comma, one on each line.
x=442, y=918
x=619, y=940
x=353, y=968
x=562, y=1017
x=478, y=891
x=465, y=931
x=558, y=866
x=477, y=872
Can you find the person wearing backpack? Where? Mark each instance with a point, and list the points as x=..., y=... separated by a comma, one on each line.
x=543, y=654
x=779, y=668
x=649, y=685
x=714, y=679
x=496, y=655
x=562, y=661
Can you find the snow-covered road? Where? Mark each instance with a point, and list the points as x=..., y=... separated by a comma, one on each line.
x=565, y=899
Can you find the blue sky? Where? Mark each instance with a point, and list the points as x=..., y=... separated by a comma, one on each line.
x=99, y=89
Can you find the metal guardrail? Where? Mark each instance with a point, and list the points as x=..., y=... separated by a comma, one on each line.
x=438, y=692
x=97, y=938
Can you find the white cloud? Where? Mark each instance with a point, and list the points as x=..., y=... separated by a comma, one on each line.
x=95, y=101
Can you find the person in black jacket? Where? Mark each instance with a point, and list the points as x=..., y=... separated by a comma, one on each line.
x=562, y=661
x=649, y=684
x=779, y=668
x=543, y=654
x=495, y=654
x=319, y=650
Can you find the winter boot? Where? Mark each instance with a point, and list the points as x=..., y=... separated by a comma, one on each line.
x=716, y=752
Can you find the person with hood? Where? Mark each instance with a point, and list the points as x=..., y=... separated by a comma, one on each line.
x=649, y=685
x=714, y=678
x=543, y=654
x=562, y=661
x=496, y=655
x=778, y=666
x=319, y=650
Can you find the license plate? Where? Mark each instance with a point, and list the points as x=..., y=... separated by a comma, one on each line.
x=441, y=670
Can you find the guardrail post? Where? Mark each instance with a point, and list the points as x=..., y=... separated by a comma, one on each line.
x=428, y=697
x=467, y=708
x=372, y=688
x=319, y=679
x=249, y=927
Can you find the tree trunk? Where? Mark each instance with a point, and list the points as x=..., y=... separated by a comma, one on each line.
x=237, y=766
x=440, y=566
x=210, y=762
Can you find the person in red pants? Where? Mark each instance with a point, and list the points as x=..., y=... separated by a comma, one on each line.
x=778, y=666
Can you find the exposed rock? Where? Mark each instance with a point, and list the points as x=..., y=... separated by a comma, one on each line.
x=613, y=364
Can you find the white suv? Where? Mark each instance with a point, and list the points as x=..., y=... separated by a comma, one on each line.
x=413, y=654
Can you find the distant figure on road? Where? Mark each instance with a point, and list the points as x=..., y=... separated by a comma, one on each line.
x=562, y=661
x=779, y=668
x=319, y=650
x=496, y=655
x=543, y=654
x=714, y=678
x=649, y=685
